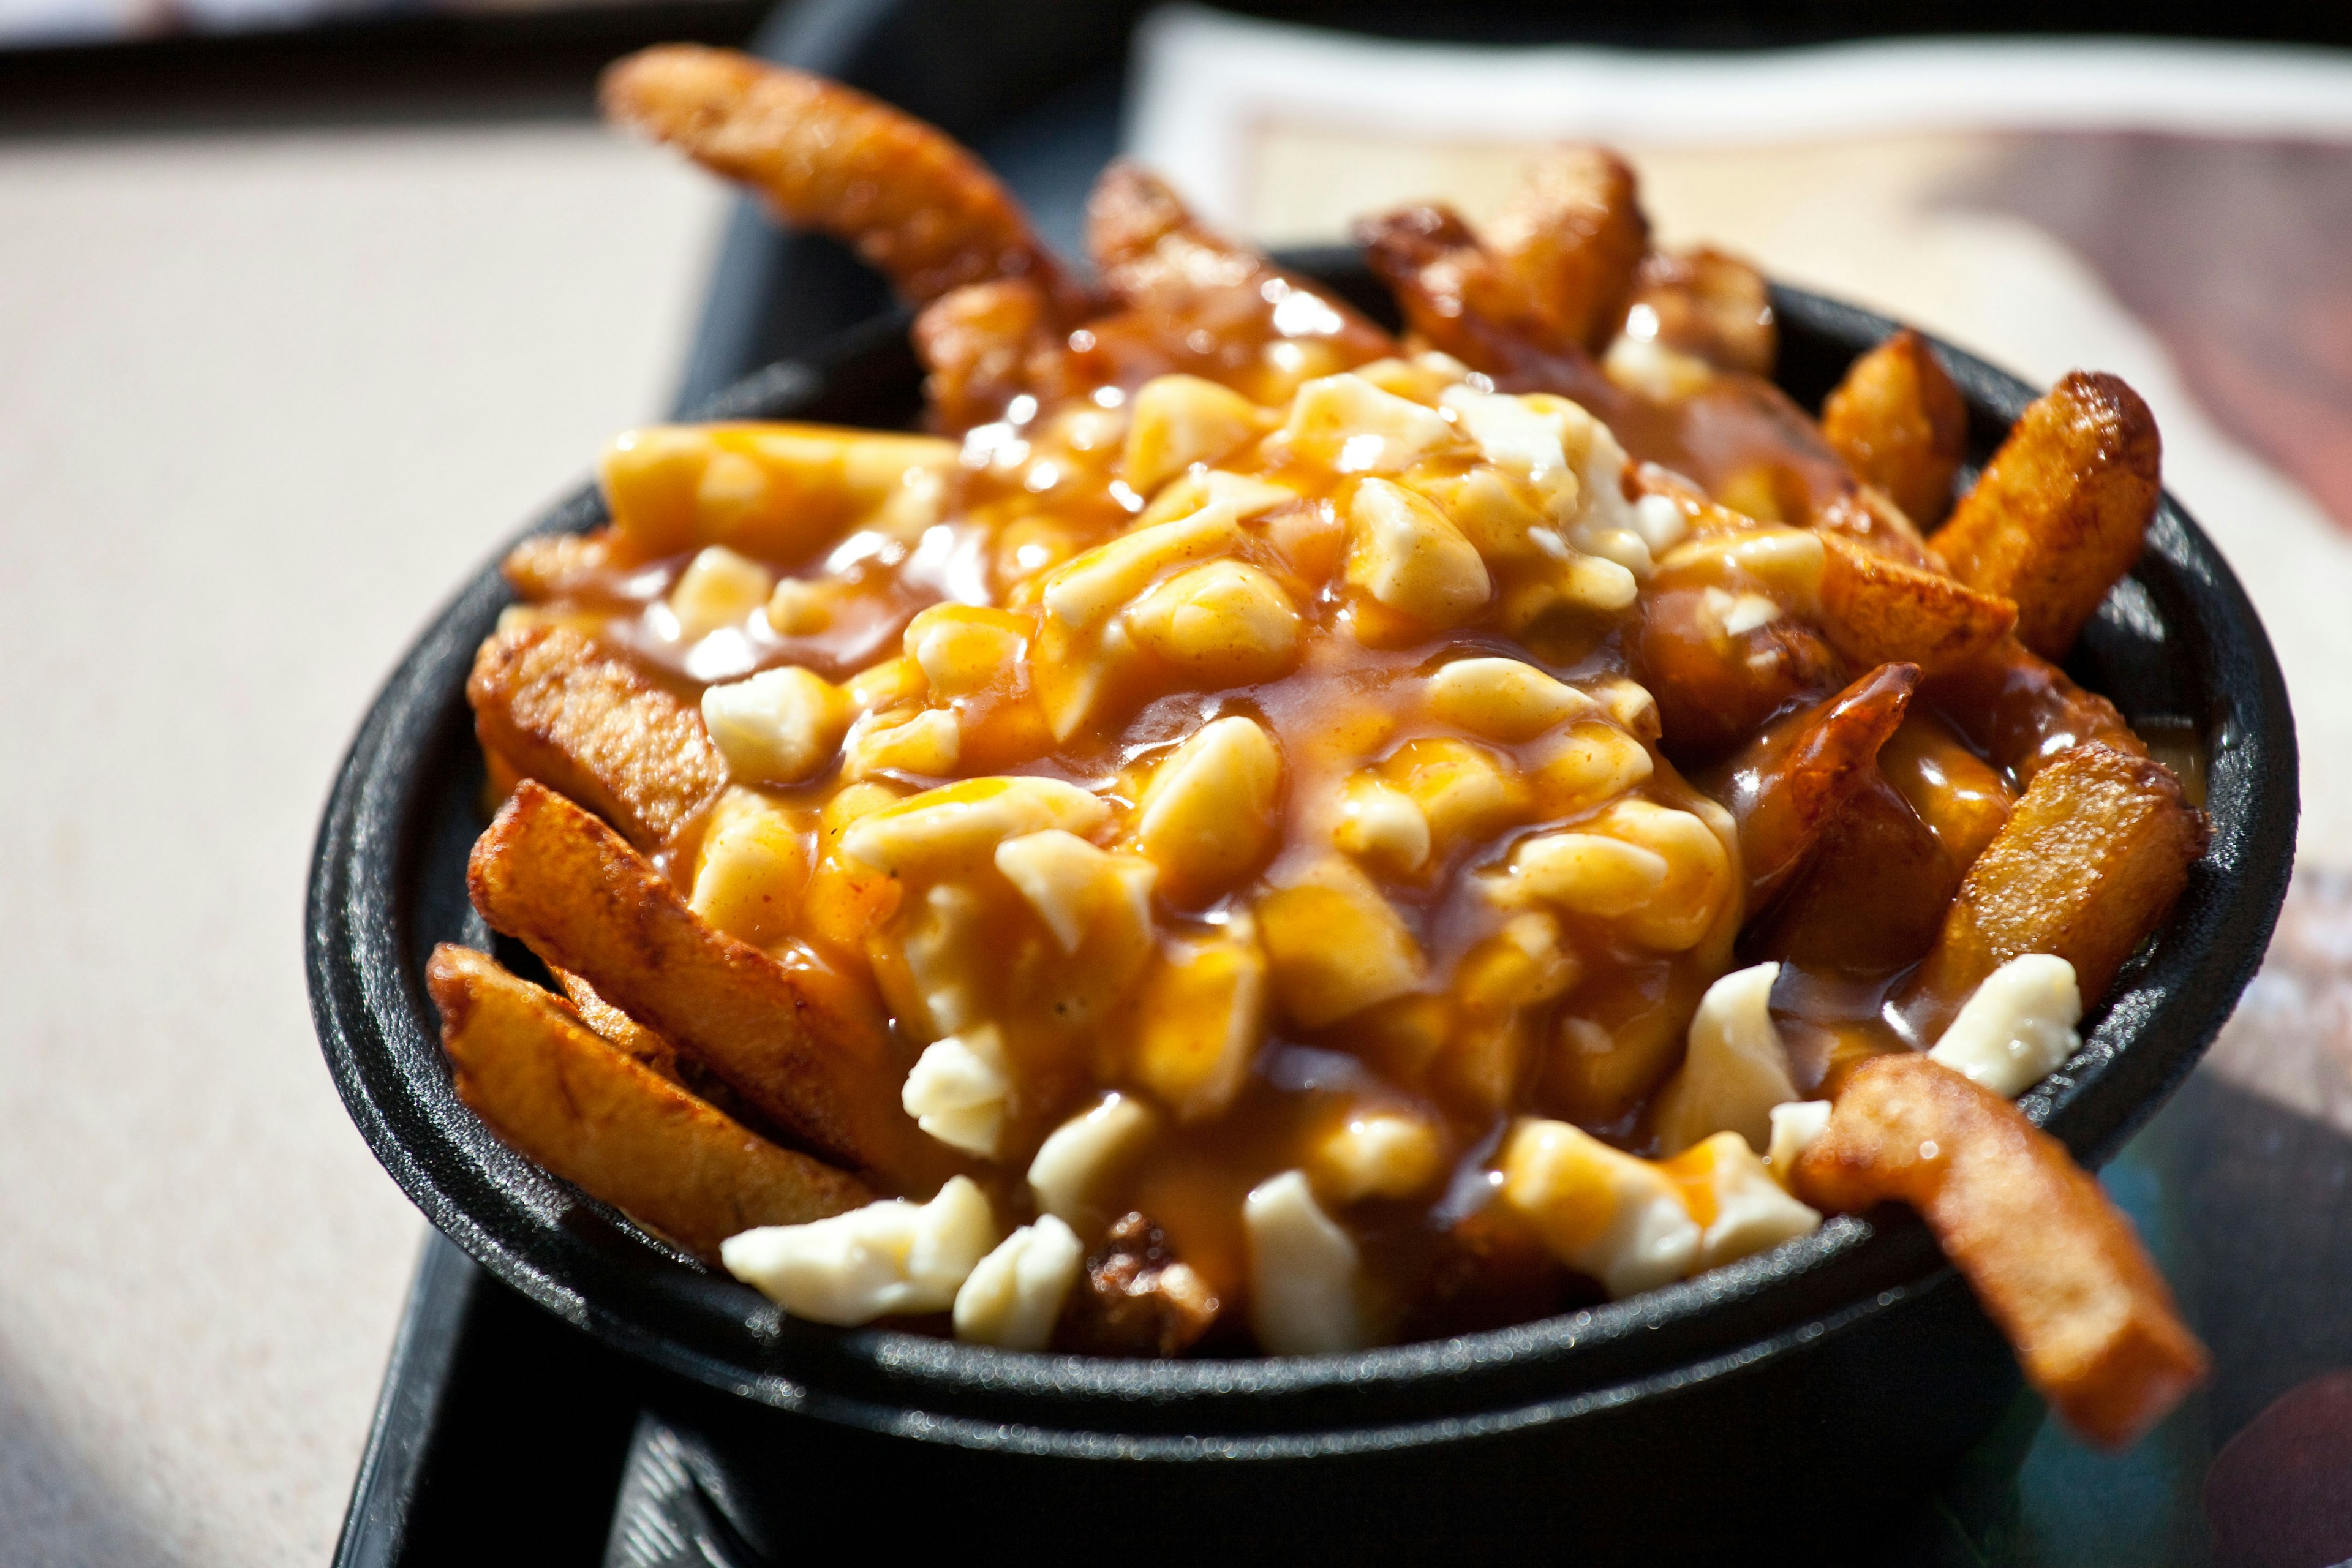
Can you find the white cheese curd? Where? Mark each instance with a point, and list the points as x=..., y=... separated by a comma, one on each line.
x=1303, y=1271
x=1736, y=1068
x=1014, y=1296
x=1751, y=1210
x=2018, y=1026
x=1599, y=1210
x=1087, y=1150
x=889, y=1256
x=958, y=1089
x=1795, y=1126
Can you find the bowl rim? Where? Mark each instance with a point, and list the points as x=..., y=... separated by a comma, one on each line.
x=589, y=1266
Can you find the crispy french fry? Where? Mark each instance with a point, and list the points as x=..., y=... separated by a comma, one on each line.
x=2090, y=861
x=2023, y=714
x=624, y=1033
x=558, y=708
x=1874, y=896
x=1574, y=233
x=1786, y=787
x=1710, y=305
x=914, y=203
x=1463, y=298
x=1901, y=424
x=557, y=566
x=2061, y=510
x=562, y=1095
x=778, y=492
x=1185, y=288
x=985, y=344
x=1877, y=610
x=793, y=1041
x=1868, y=516
x=2050, y=1260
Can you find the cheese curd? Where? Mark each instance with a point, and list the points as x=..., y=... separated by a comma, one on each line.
x=889, y=1256
x=1013, y=1296
x=2018, y=1025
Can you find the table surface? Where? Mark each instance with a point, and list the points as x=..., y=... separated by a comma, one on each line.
x=263, y=398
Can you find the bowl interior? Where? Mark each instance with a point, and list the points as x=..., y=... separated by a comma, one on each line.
x=2177, y=643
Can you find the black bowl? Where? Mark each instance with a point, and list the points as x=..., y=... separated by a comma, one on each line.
x=1844, y=1368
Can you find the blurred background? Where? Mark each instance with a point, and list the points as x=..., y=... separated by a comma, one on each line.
x=304, y=307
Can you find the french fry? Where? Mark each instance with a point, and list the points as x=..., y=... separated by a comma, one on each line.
x=558, y=709
x=1873, y=897
x=985, y=344
x=1710, y=305
x=2050, y=1259
x=2022, y=712
x=1877, y=610
x=565, y=1096
x=801, y=1051
x=557, y=566
x=623, y=1033
x=1714, y=689
x=1183, y=287
x=1574, y=233
x=914, y=203
x=1901, y=424
x=1785, y=788
x=2090, y=861
x=1463, y=298
x=2061, y=510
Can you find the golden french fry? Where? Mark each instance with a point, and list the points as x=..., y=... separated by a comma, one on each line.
x=2089, y=862
x=623, y=1033
x=1710, y=305
x=1874, y=896
x=1901, y=424
x=556, y=707
x=985, y=344
x=558, y=565
x=1574, y=233
x=2059, y=513
x=2023, y=714
x=563, y=1096
x=1877, y=610
x=2050, y=1260
x=914, y=203
x=1787, y=787
x=1463, y=298
x=798, y=1044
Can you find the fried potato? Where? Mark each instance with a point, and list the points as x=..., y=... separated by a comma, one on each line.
x=2023, y=714
x=1787, y=787
x=558, y=565
x=1709, y=304
x=794, y=1042
x=1868, y=516
x=1714, y=688
x=1877, y=610
x=2061, y=510
x=1574, y=233
x=2090, y=861
x=1901, y=424
x=558, y=708
x=2050, y=1260
x=1456, y=294
x=1874, y=895
x=984, y=344
x=563, y=1096
x=915, y=205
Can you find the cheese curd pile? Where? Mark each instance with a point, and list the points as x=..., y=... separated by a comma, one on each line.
x=1240, y=814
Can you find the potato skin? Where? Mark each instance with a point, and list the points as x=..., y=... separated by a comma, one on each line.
x=555, y=707
x=2062, y=510
x=1877, y=610
x=566, y=1097
x=2053, y=1262
x=1901, y=424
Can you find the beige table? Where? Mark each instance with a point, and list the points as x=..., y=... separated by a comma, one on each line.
x=264, y=398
